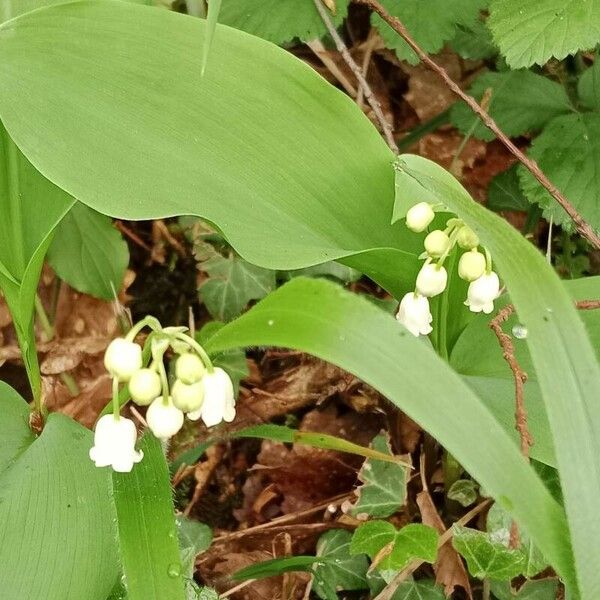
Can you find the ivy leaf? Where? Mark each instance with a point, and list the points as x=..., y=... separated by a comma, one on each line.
x=371, y=537
x=279, y=21
x=498, y=525
x=504, y=192
x=419, y=590
x=568, y=152
x=463, y=491
x=337, y=569
x=520, y=102
x=532, y=32
x=384, y=484
x=537, y=589
x=588, y=86
x=487, y=559
x=89, y=253
x=430, y=23
x=232, y=282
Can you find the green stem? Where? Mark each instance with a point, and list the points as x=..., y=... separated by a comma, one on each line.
x=43, y=319
x=198, y=348
x=164, y=380
x=32, y=365
x=116, y=406
x=71, y=384
x=149, y=321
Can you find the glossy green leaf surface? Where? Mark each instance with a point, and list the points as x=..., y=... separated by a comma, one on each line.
x=89, y=253
x=147, y=530
x=321, y=318
x=566, y=364
x=80, y=72
x=56, y=518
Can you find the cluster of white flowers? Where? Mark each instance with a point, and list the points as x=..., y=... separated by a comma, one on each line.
x=200, y=390
x=474, y=266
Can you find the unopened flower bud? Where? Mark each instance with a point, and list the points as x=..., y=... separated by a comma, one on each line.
x=436, y=243
x=123, y=358
x=482, y=293
x=419, y=216
x=164, y=420
x=467, y=238
x=189, y=368
x=471, y=265
x=219, y=399
x=431, y=280
x=114, y=444
x=187, y=398
x=144, y=386
x=414, y=314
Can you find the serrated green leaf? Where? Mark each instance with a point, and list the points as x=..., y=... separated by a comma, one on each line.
x=568, y=152
x=419, y=590
x=485, y=558
x=588, y=86
x=383, y=489
x=232, y=284
x=474, y=42
x=410, y=542
x=531, y=32
x=89, y=253
x=504, y=192
x=56, y=520
x=279, y=21
x=430, y=23
x=146, y=526
x=194, y=538
x=463, y=491
x=337, y=569
x=539, y=589
x=207, y=594
x=520, y=102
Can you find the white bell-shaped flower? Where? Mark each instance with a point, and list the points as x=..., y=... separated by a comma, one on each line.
x=219, y=399
x=164, y=420
x=436, y=243
x=414, y=314
x=114, y=444
x=144, y=386
x=471, y=265
x=419, y=217
x=431, y=280
x=187, y=398
x=123, y=358
x=189, y=368
x=482, y=293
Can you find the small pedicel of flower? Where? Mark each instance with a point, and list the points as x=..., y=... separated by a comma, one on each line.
x=482, y=293
x=123, y=358
x=431, y=280
x=471, y=265
x=189, y=368
x=114, y=444
x=164, y=418
x=467, y=239
x=219, y=399
x=419, y=216
x=414, y=314
x=144, y=386
x=187, y=398
x=437, y=243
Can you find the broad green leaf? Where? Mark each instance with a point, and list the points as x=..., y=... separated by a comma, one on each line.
x=474, y=42
x=531, y=32
x=279, y=21
x=371, y=537
x=498, y=526
x=538, y=589
x=26, y=233
x=319, y=317
x=232, y=283
x=487, y=559
x=568, y=151
x=566, y=367
x=330, y=269
x=13, y=8
x=504, y=192
x=419, y=590
x=56, y=518
x=383, y=489
x=327, y=196
x=89, y=253
x=463, y=491
x=588, y=86
x=520, y=102
x=337, y=569
x=430, y=23
x=147, y=531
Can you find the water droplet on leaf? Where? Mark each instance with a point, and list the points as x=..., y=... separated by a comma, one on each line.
x=519, y=331
x=174, y=570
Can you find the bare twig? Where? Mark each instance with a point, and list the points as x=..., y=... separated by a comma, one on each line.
x=368, y=92
x=369, y=46
x=390, y=589
x=321, y=52
x=582, y=226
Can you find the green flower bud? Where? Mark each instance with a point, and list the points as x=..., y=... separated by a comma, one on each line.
x=189, y=368
x=467, y=239
x=471, y=265
x=186, y=397
x=419, y=216
x=436, y=243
